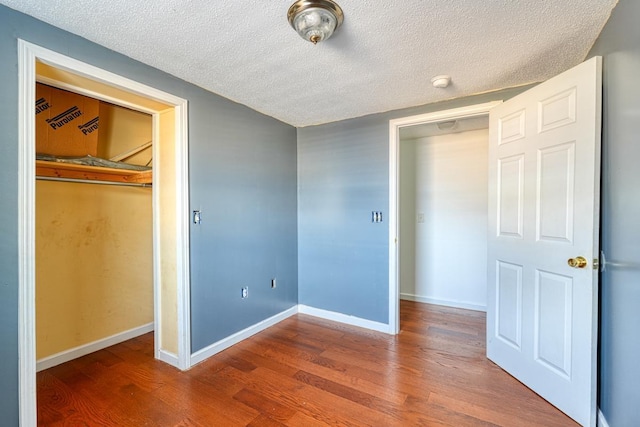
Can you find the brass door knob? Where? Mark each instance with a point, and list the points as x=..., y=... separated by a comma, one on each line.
x=577, y=262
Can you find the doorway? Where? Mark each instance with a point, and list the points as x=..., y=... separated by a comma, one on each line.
x=169, y=211
x=94, y=234
x=443, y=184
x=395, y=126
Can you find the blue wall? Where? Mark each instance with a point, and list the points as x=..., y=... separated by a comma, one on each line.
x=343, y=256
x=619, y=44
x=244, y=181
x=343, y=175
x=243, y=177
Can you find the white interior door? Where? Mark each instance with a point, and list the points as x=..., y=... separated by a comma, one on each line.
x=544, y=179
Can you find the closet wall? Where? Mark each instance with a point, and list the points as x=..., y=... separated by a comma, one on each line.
x=94, y=253
x=443, y=219
x=122, y=129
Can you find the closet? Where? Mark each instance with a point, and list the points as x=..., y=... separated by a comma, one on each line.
x=443, y=213
x=94, y=227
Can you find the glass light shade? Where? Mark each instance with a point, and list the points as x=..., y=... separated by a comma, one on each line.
x=315, y=21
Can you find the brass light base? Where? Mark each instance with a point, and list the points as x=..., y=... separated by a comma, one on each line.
x=318, y=31
x=302, y=5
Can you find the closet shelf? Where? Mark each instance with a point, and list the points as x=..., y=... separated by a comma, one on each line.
x=92, y=173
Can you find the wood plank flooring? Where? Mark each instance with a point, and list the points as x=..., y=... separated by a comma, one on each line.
x=304, y=372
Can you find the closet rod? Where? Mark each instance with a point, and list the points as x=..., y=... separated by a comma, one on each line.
x=92, y=181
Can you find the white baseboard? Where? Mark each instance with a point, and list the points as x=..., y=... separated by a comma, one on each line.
x=169, y=358
x=227, y=342
x=83, y=350
x=602, y=421
x=344, y=318
x=447, y=303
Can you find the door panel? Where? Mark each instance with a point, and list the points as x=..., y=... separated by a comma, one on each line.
x=511, y=127
x=555, y=198
x=544, y=174
x=511, y=196
x=509, y=321
x=552, y=346
x=557, y=110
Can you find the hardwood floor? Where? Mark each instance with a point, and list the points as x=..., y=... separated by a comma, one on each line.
x=304, y=372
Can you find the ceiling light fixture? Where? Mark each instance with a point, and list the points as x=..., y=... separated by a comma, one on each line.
x=315, y=20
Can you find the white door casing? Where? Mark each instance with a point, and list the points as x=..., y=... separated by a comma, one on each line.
x=470, y=111
x=28, y=55
x=544, y=178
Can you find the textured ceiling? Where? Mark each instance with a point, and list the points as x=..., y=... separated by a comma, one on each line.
x=381, y=59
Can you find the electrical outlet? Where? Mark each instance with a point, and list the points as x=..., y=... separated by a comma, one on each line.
x=273, y=283
x=245, y=292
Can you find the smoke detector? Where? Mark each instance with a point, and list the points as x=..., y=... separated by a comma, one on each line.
x=441, y=82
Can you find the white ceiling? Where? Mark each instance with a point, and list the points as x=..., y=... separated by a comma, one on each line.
x=381, y=59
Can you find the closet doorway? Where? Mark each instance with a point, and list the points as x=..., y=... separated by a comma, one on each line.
x=437, y=209
x=94, y=234
x=169, y=219
x=443, y=179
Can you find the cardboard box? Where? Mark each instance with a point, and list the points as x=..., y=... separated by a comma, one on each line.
x=66, y=123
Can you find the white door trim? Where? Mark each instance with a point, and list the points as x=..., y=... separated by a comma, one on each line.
x=394, y=145
x=28, y=53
